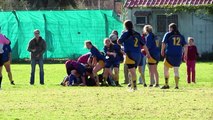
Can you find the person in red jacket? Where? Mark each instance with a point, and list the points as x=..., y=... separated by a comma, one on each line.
x=191, y=60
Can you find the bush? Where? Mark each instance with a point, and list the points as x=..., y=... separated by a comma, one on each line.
x=207, y=56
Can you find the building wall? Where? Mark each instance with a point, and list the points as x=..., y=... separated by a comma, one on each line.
x=198, y=26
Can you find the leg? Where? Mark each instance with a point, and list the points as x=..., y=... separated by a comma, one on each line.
x=188, y=71
x=134, y=77
x=193, y=71
x=116, y=76
x=156, y=75
x=166, y=76
x=126, y=74
x=151, y=73
x=97, y=68
x=41, y=71
x=106, y=75
x=176, y=72
x=0, y=76
x=32, y=77
x=7, y=67
x=140, y=69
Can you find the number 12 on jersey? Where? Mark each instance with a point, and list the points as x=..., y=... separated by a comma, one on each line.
x=176, y=41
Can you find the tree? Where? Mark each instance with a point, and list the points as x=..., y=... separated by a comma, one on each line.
x=52, y=4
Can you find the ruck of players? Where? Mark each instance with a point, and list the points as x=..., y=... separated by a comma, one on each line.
x=135, y=50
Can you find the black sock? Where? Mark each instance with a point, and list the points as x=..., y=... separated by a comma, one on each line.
x=166, y=81
x=134, y=83
x=0, y=81
x=116, y=83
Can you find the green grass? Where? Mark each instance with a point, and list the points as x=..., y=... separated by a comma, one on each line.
x=51, y=101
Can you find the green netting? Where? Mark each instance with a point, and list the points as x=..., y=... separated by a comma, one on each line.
x=63, y=31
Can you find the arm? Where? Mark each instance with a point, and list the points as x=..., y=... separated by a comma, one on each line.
x=163, y=49
x=30, y=47
x=94, y=61
x=197, y=52
x=185, y=47
x=146, y=50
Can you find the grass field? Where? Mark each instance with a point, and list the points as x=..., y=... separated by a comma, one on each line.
x=51, y=101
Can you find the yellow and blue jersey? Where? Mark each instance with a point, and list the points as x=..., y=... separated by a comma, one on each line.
x=174, y=49
x=7, y=51
x=132, y=41
x=153, y=45
x=96, y=53
x=174, y=44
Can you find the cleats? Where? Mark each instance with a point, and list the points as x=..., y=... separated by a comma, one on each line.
x=176, y=87
x=165, y=87
x=157, y=85
x=145, y=85
x=117, y=84
x=12, y=83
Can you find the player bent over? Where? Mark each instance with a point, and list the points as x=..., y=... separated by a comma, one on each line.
x=76, y=70
x=98, y=60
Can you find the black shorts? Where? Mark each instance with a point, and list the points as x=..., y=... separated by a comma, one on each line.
x=1, y=60
x=153, y=63
x=130, y=66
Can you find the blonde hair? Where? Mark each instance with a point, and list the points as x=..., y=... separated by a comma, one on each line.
x=106, y=39
x=190, y=38
x=147, y=29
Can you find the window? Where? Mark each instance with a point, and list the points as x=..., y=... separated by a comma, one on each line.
x=163, y=21
x=141, y=20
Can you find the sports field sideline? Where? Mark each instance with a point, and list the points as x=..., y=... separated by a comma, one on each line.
x=52, y=101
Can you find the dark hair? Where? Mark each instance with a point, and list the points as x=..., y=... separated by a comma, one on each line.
x=88, y=42
x=115, y=31
x=128, y=25
x=174, y=27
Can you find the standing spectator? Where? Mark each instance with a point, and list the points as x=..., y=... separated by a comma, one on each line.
x=7, y=57
x=143, y=60
x=3, y=41
x=172, y=46
x=132, y=47
x=37, y=47
x=152, y=44
x=191, y=60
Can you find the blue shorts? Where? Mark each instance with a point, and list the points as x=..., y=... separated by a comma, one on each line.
x=171, y=61
x=154, y=59
x=132, y=59
x=113, y=64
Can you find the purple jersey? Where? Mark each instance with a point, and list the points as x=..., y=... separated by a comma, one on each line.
x=84, y=58
x=74, y=65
